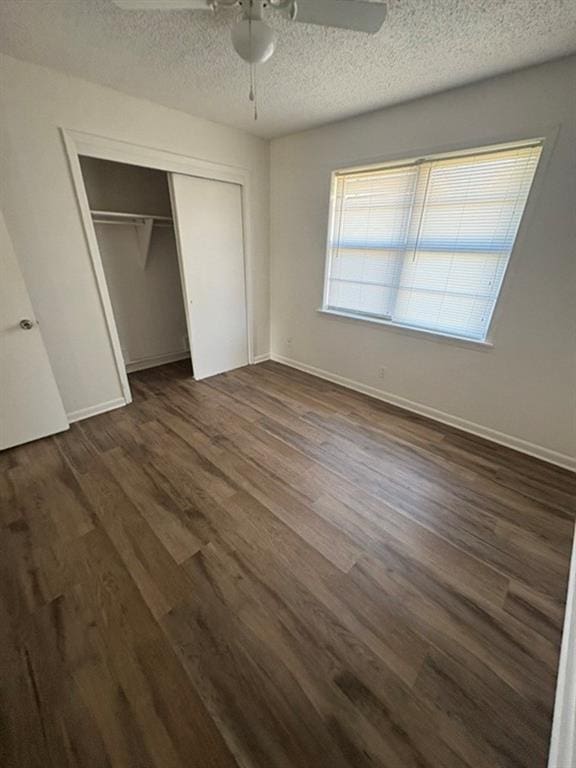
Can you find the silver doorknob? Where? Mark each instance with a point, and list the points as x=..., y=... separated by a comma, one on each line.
x=26, y=324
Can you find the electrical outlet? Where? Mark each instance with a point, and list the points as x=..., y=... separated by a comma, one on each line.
x=382, y=372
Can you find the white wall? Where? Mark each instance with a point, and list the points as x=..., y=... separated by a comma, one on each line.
x=37, y=195
x=524, y=387
x=147, y=303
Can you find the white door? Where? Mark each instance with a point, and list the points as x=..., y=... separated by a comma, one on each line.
x=208, y=221
x=30, y=404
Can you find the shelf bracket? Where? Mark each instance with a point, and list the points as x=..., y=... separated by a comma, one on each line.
x=144, y=235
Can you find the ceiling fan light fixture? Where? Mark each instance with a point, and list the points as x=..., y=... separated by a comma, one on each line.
x=253, y=40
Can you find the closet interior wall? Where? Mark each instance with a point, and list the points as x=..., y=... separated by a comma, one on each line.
x=143, y=281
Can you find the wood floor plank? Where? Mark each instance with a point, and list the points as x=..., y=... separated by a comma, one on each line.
x=510, y=734
x=265, y=570
x=535, y=610
x=167, y=713
x=280, y=497
x=138, y=481
x=315, y=630
x=530, y=477
x=461, y=626
x=23, y=740
x=69, y=729
x=247, y=684
x=472, y=528
x=378, y=450
x=266, y=615
x=318, y=648
x=160, y=581
x=377, y=531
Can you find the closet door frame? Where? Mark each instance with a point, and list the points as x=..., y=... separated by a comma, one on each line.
x=77, y=143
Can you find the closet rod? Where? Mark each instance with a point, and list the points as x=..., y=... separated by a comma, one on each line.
x=135, y=221
x=121, y=215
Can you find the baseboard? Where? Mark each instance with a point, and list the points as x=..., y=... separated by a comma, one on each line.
x=151, y=361
x=261, y=358
x=94, y=410
x=552, y=457
x=563, y=741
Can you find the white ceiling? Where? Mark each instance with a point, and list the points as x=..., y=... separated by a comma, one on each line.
x=185, y=60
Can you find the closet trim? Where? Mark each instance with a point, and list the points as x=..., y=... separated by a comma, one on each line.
x=77, y=143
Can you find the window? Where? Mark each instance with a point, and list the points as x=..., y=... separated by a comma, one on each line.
x=425, y=244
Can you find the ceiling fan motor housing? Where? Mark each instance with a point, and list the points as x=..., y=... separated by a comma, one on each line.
x=253, y=40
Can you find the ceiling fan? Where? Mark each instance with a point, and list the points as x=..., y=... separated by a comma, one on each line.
x=253, y=39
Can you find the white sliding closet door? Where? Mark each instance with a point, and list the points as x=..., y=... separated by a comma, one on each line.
x=30, y=404
x=208, y=221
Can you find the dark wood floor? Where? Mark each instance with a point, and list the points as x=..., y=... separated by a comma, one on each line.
x=265, y=570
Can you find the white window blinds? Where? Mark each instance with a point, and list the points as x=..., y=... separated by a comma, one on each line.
x=426, y=244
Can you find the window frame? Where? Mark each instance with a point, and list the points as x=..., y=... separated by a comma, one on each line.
x=545, y=142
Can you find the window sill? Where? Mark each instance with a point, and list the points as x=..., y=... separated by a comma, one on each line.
x=432, y=335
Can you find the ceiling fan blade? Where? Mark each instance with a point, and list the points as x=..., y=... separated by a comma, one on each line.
x=162, y=5
x=358, y=15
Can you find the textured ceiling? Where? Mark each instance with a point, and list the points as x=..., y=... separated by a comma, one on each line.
x=185, y=60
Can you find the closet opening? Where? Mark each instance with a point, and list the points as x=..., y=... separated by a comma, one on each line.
x=132, y=216
x=170, y=245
